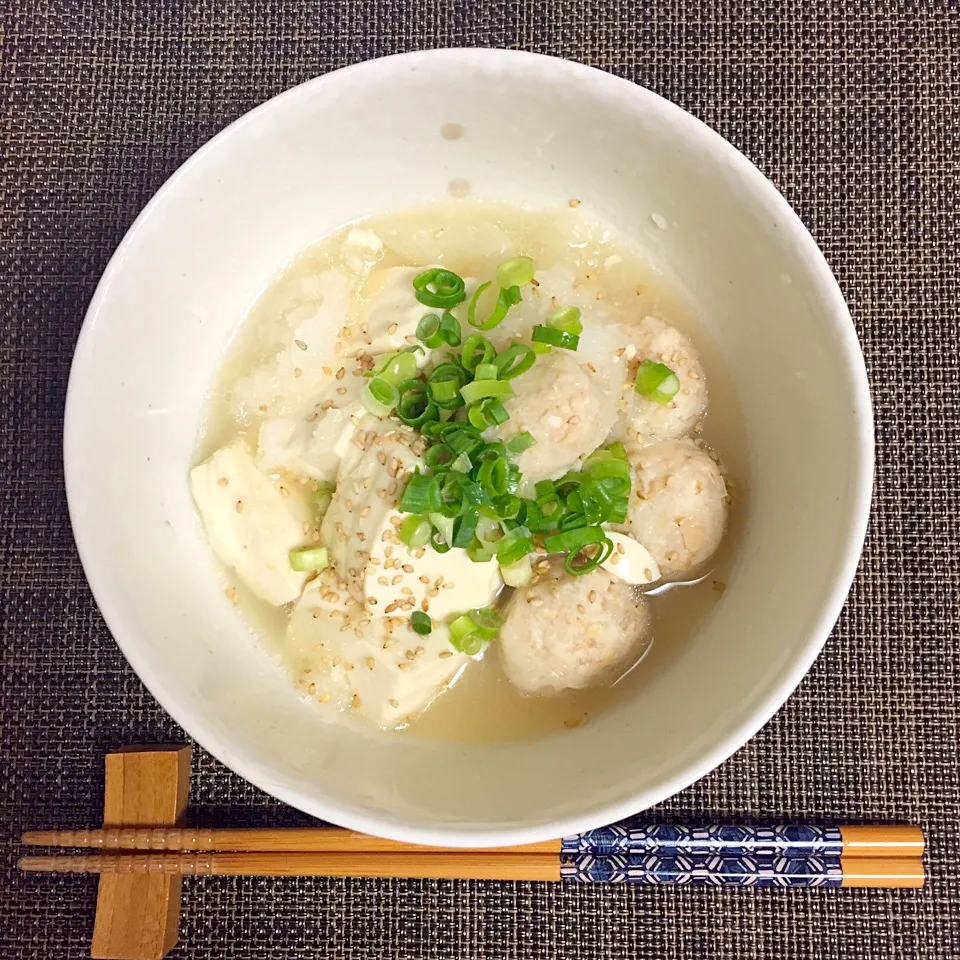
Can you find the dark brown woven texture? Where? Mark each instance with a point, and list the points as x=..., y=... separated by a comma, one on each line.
x=852, y=108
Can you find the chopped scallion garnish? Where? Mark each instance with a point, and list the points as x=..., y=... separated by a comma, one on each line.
x=437, y=287
x=308, y=559
x=505, y=300
x=415, y=406
x=421, y=623
x=567, y=320
x=517, y=574
x=522, y=441
x=485, y=371
x=477, y=349
x=380, y=397
x=656, y=381
x=487, y=622
x=421, y=495
x=464, y=636
x=478, y=389
x=515, y=272
x=415, y=532
x=450, y=330
x=516, y=359
x=555, y=338
x=428, y=330
x=514, y=545
x=487, y=413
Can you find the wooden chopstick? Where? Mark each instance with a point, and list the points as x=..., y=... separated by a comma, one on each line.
x=873, y=841
x=250, y=840
x=472, y=865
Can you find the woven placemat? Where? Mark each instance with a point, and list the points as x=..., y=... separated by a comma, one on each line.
x=852, y=108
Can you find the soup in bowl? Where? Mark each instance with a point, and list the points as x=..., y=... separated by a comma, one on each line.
x=469, y=447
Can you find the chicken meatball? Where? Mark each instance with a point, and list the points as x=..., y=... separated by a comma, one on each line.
x=678, y=507
x=563, y=632
x=567, y=410
x=642, y=420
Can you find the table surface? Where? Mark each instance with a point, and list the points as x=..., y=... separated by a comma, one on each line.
x=851, y=108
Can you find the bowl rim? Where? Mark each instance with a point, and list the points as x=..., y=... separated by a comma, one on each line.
x=780, y=686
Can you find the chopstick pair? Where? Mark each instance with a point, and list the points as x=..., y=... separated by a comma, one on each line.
x=764, y=855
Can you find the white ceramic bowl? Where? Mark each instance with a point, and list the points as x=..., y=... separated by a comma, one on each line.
x=365, y=140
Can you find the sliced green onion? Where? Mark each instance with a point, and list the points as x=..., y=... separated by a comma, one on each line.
x=446, y=394
x=615, y=486
x=437, y=287
x=402, y=367
x=555, y=338
x=602, y=464
x=604, y=549
x=464, y=636
x=421, y=495
x=444, y=526
x=522, y=441
x=398, y=366
x=516, y=359
x=477, y=349
x=487, y=413
x=415, y=406
x=618, y=450
x=541, y=347
x=506, y=299
x=515, y=272
x=493, y=451
x=428, y=330
x=421, y=623
x=322, y=497
x=574, y=540
x=438, y=543
x=438, y=456
x=462, y=464
x=567, y=320
x=572, y=520
x=492, y=476
x=379, y=397
x=476, y=494
x=517, y=574
x=508, y=507
x=618, y=511
x=485, y=371
x=450, y=330
x=415, y=532
x=478, y=554
x=489, y=531
x=309, y=559
x=656, y=381
x=464, y=528
x=487, y=621
x=514, y=545
x=513, y=478
x=445, y=383
x=461, y=438
x=511, y=295
x=472, y=392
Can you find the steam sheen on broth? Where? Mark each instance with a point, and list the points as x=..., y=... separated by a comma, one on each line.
x=284, y=420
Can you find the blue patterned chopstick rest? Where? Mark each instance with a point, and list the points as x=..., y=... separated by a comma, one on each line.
x=725, y=839
x=703, y=869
